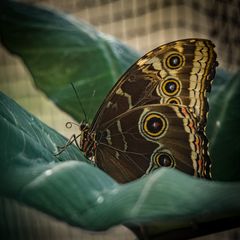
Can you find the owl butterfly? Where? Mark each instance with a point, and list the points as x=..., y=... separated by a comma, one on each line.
x=155, y=115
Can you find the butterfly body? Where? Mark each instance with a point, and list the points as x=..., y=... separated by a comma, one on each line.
x=155, y=115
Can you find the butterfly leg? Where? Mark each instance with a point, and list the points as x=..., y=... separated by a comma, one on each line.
x=72, y=139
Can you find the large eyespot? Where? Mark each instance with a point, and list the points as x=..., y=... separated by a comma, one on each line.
x=163, y=159
x=154, y=125
x=170, y=87
x=174, y=100
x=174, y=61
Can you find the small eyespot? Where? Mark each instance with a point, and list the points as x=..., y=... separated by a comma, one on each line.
x=154, y=125
x=174, y=61
x=164, y=159
x=174, y=100
x=171, y=87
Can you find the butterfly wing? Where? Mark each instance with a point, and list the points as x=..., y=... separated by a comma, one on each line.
x=179, y=73
x=149, y=137
x=169, y=83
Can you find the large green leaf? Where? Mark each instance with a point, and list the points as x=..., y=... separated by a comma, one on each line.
x=59, y=50
x=83, y=195
x=27, y=147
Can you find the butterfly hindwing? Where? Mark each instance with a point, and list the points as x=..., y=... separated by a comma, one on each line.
x=151, y=136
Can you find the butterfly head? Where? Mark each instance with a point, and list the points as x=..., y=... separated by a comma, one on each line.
x=83, y=126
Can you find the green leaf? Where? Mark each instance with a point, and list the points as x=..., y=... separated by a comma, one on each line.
x=224, y=131
x=27, y=147
x=58, y=50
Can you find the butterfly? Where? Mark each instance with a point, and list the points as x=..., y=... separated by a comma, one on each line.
x=155, y=115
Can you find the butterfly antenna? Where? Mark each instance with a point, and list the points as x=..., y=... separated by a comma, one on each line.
x=80, y=103
x=91, y=106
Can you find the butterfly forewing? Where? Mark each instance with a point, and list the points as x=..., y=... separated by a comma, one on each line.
x=155, y=78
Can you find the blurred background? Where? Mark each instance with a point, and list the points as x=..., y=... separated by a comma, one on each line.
x=142, y=25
